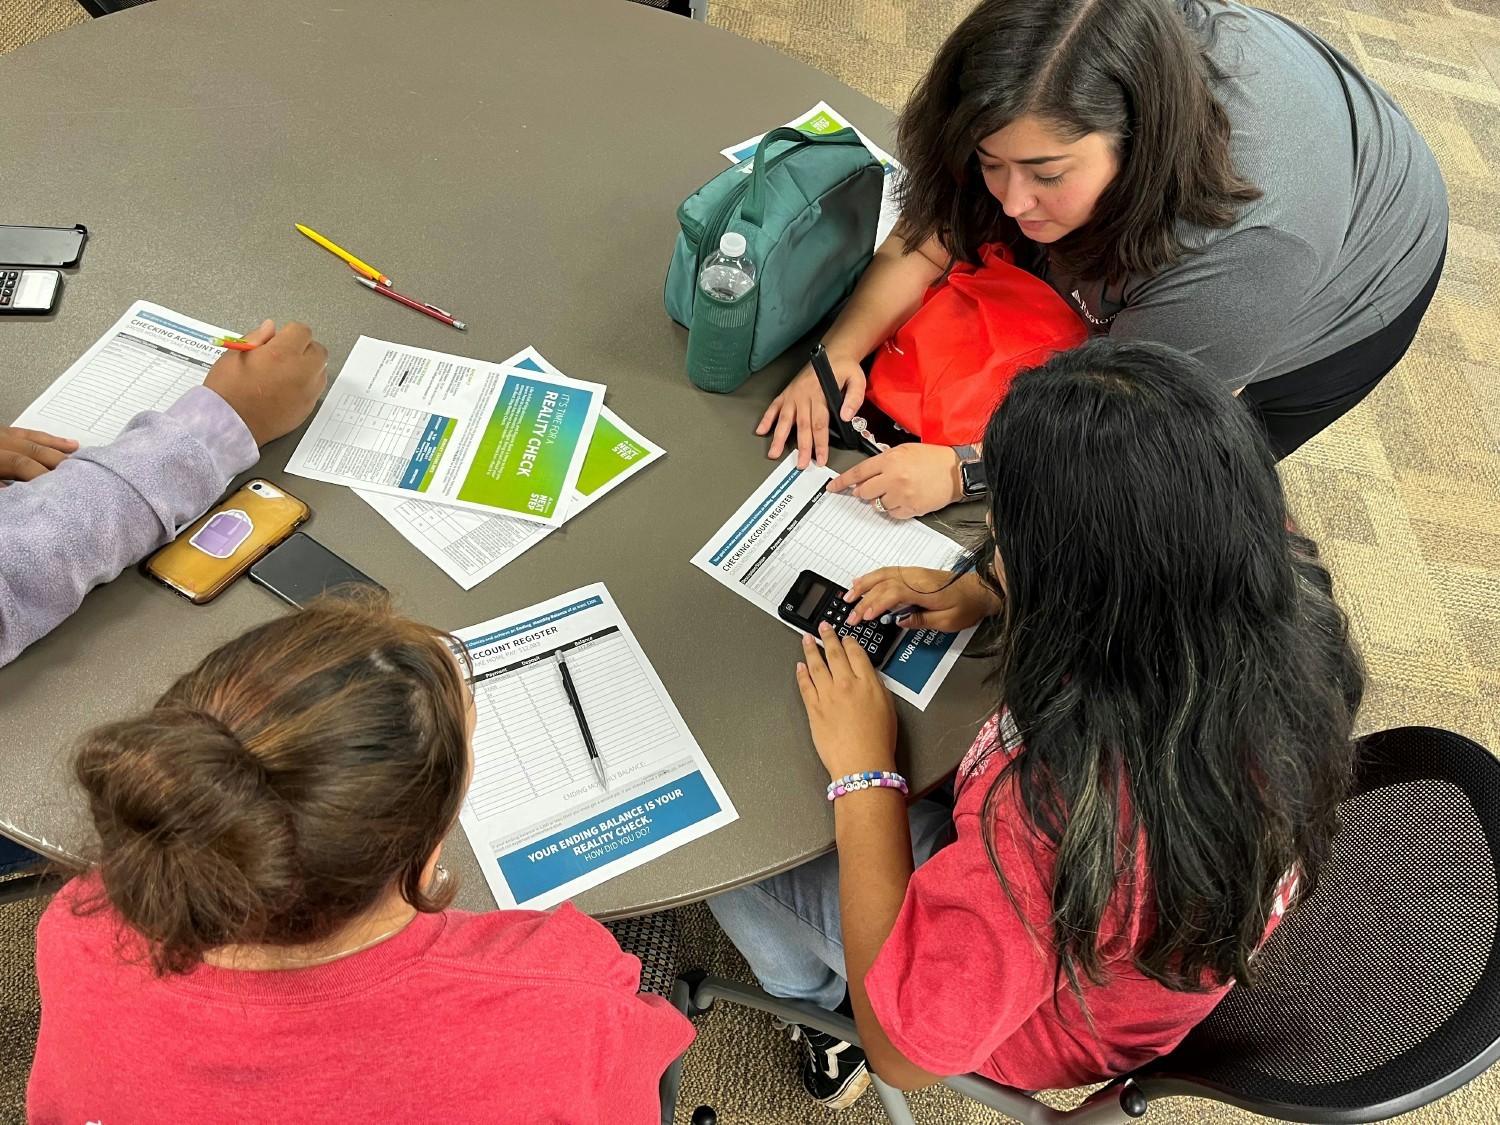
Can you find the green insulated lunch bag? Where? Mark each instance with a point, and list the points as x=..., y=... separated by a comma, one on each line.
x=807, y=206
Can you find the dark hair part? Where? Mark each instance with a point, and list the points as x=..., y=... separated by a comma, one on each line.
x=1180, y=676
x=279, y=789
x=1127, y=69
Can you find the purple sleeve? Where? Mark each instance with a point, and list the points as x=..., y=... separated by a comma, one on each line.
x=107, y=507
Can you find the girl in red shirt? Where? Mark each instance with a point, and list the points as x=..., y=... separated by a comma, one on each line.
x=1161, y=778
x=265, y=936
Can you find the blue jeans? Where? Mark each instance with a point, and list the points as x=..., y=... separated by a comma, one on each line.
x=14, y=858
x=787, y=926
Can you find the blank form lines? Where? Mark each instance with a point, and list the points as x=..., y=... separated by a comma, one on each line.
x=124, y=378
x=841, y=538
x=528, y=744
x=470, y=540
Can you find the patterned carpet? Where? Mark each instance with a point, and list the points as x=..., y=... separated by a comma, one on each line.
x=1403, y=493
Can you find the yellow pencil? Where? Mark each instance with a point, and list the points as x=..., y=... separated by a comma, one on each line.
x=363, y=267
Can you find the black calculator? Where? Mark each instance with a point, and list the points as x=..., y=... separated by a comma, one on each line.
x=29, y=291
x=814, y=599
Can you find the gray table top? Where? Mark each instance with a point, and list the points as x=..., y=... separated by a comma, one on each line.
x=517, y=162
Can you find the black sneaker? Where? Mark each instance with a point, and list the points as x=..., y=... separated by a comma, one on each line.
x=833, y=1072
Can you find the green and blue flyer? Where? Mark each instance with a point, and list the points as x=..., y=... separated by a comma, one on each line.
x=506, y=439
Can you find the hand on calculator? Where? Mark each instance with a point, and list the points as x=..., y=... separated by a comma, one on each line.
x=814, y=602
x=852, y=715
x=943, y=602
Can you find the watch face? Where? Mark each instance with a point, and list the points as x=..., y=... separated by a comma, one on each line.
x=973, y=477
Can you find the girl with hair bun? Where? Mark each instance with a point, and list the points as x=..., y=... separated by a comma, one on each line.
x=267, y=924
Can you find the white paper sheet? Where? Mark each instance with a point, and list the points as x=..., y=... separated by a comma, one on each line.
x=506, y=438
x=144, y=362
x=793, y=523
x=535, y=814
x=823, y=118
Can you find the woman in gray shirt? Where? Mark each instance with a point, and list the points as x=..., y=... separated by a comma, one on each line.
x=1194, y=172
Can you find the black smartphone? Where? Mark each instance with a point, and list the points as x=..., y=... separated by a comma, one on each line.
x=55, y=247
x=814, y=599
x=301, y=568
x=870, y=431
x=840, y=433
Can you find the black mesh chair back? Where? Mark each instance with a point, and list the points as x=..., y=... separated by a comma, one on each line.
x=97, y=8
x=1381, y=992
x=681, y=7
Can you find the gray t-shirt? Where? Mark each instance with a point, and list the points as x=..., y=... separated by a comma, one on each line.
x=1351, y=222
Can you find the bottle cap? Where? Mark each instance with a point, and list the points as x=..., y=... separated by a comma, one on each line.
x=732, y=245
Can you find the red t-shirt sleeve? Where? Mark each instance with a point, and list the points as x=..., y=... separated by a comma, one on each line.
x=960, y=971
x=659, y=1032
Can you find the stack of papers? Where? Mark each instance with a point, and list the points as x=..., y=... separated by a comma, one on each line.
x=472, y=462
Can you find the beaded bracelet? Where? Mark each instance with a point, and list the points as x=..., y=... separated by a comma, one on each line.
x=869, y=779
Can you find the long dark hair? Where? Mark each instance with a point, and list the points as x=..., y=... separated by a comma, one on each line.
x=1180, y=676
x=1130, y=70
x=277, y=791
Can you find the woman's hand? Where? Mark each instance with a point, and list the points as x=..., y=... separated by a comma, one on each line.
x=908, y=480
x=852, y=715
x=945, y=603
x=802, y=405
x=27, y=454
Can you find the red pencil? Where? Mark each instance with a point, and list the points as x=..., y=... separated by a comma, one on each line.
x=411, y=303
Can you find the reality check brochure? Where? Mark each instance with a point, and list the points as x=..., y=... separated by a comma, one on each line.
x=507, y=438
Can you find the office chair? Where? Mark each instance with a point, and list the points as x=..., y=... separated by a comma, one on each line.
x=1379, y=994
x=697, y=9
x=97, y=8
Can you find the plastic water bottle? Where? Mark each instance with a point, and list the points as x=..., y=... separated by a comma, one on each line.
x=728, y=275
x=718, y=353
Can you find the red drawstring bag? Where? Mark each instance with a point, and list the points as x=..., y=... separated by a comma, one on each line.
x=946, y=369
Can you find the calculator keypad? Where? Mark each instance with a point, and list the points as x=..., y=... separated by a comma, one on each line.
x=872, y=636
x=8, y=279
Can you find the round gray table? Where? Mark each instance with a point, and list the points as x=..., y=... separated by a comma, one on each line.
x=517, y=162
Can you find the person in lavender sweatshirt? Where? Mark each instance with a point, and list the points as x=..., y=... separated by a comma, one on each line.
x=71, y=519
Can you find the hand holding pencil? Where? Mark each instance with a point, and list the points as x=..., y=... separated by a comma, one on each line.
x=273, y=386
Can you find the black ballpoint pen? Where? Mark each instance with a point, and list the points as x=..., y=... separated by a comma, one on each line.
x=583, y=723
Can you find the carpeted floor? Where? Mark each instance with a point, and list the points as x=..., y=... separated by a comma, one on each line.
x=22, y=21
x=1403, y=494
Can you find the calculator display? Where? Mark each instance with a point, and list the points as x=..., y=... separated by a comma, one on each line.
x=815, y=594
x=813, y=600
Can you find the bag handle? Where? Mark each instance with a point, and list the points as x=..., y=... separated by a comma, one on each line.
x=754, y=208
